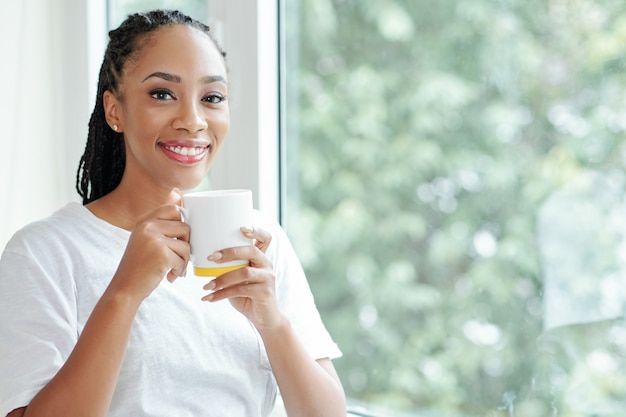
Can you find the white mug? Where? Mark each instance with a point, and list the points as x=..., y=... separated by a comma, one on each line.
x=215, y=219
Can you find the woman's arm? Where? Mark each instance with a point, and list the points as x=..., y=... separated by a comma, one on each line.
x=308, y=387
x=84, y=385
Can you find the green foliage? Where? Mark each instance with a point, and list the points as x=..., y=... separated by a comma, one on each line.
x=425, y=138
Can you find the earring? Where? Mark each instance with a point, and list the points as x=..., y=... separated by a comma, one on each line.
x=115, y=127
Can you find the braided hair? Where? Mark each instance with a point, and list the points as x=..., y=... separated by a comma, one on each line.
x=102, y=165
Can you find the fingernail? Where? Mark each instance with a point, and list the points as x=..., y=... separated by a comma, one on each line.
x=215, y=256
x=210, y=286
x=208, y=297
x=247, y=230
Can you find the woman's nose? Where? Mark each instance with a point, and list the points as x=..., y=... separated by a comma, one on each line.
x=190, y=117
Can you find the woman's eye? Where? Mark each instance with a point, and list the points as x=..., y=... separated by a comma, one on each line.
x=214, y=98
x=161, y=95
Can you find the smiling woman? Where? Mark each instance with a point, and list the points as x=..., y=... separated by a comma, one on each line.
x=154, y=97
x=117, y=334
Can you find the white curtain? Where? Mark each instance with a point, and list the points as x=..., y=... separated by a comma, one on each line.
x=45, y=106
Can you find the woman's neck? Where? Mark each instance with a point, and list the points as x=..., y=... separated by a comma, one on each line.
x=123, y=206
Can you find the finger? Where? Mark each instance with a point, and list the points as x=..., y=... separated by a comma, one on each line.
x=244, y=253
x=262, y=237
x=244, y=289
x=175, y=230
x=179, y=258
x=181, y=248
x=245, y=274
x=168, y=212
x=166, y=228
x=175, y=197
x=244, y=282
x=175, y=273
x=172, y=275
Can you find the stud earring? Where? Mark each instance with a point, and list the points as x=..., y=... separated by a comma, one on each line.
x=115, y=127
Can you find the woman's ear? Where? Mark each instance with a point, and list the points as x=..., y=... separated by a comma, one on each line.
x=111, y=111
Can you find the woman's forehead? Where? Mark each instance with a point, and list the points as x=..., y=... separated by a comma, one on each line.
x=178, y=47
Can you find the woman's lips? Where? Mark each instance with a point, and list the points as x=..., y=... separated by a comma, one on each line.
x=185, y=154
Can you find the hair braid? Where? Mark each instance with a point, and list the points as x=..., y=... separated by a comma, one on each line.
x=102, y=165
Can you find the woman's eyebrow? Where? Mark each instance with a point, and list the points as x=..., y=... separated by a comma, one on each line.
x=177, y=79
x=164, y=75
x=212, y=79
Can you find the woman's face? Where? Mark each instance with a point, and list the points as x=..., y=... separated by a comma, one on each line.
x=172, y=109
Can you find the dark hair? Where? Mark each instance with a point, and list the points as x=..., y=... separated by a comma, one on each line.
x=102, y=165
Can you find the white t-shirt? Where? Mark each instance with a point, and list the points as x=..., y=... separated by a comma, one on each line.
x=185, y=357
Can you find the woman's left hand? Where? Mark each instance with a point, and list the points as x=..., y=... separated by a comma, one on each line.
x=252, y=289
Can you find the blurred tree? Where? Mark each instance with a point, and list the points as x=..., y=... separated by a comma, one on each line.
x=423, y=139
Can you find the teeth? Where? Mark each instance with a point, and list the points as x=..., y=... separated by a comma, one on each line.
x=185, y=151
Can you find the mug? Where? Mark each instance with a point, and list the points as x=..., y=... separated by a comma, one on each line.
x=215, y=219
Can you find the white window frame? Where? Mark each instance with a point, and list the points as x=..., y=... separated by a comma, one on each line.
x=248, y=31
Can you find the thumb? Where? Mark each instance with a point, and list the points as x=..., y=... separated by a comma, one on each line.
x=175, y=197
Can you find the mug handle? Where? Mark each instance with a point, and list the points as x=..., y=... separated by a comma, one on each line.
x=184, y=214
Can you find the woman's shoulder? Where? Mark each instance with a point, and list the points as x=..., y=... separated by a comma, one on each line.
x=272, y=225
x=69, y=223
x=65, y=215
x=264, y=220
x=280, y=251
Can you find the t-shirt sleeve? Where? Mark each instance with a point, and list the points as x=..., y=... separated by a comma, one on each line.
x=294, y=294
x=37, y=321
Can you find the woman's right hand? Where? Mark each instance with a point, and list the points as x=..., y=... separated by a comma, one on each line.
x=158, y=246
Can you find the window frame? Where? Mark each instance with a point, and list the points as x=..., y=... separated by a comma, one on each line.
x=251, y=156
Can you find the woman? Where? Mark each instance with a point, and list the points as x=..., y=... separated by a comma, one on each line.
x=88, y=326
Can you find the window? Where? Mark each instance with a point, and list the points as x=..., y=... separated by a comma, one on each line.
x=455, y=189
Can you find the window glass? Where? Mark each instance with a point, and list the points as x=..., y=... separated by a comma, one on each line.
x=454, y=177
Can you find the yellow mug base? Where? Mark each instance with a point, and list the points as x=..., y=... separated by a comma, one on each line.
x=216, y=272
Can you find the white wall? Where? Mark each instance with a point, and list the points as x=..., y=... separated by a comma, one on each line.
x=45, y=107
